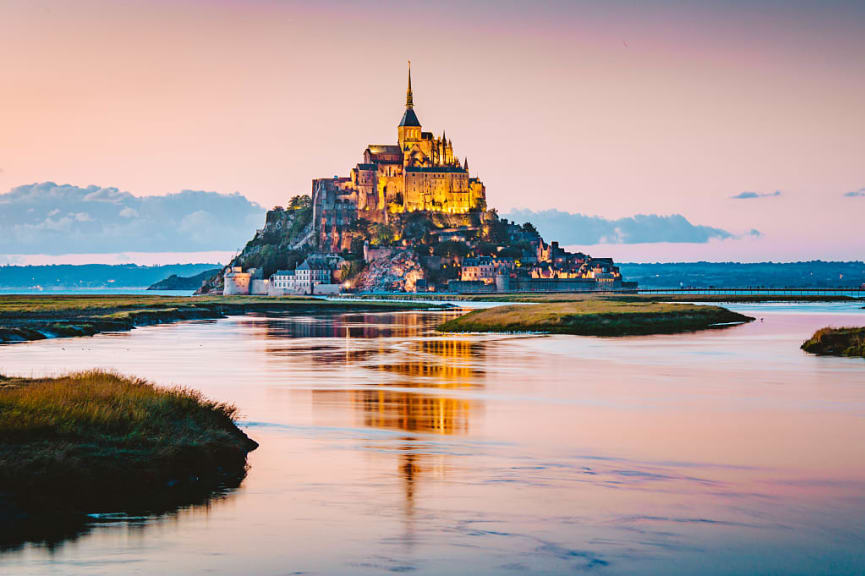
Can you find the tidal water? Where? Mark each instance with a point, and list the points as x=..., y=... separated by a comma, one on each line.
x=386, y=447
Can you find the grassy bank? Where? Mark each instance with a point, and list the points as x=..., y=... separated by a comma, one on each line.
x=617, y=297
x=34, y=317
x=97, y=441
x=594, y=317
x=837, y=342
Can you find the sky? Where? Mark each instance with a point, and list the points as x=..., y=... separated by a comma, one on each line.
x=745, y=117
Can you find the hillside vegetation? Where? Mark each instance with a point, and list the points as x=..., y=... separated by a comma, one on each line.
x=284, y=242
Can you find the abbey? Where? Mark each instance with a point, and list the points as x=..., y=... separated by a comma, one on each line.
x=418, y=173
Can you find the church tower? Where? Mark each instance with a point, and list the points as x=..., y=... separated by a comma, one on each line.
x=409, y=127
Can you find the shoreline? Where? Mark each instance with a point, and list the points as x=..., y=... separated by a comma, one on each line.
x=596, y=318
x=26, y=318
x=95, y=441
x=551, y=297
x=846, y=342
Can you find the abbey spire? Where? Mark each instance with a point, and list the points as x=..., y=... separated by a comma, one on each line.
x=409, y=101
x=409, y=118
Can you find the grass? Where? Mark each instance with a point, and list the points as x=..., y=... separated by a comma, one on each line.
x=96, y=441
x=594, y=317
x=848, y=341
x=33, y=317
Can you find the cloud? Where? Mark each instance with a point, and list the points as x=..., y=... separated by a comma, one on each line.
x=49, y=218
x=750, y=195
x=860, y=193
x=570, y=228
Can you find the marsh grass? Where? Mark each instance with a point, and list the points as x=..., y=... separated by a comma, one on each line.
x=848, y=341
x=595, y=317
x=97, y=440
x=99, y=405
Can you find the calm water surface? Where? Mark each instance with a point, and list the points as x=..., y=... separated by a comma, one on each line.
x=386, y=447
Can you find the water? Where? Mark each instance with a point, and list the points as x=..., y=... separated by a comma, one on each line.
x=386, y=447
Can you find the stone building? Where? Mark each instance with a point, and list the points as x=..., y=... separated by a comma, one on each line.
x=236, y=281
x=282, y=282
x=485, y=268
x=418, y=173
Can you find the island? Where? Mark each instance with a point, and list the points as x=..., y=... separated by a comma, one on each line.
x=596, y=317
x=175, y=282
x=98, y=441
x=848, y=341
x=409, y=216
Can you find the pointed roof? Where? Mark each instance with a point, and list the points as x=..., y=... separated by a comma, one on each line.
x=409, y=118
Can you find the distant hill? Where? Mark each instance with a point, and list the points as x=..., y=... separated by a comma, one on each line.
x=93, y=276
x=813, y=274
x=175, y=282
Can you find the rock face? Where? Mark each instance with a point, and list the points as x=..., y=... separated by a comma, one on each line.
x=411, y=251
x=283, y=243
x=398, y=271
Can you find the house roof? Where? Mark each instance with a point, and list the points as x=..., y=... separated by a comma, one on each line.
x=384, y=149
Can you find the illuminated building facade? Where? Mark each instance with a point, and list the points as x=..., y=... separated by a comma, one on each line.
x=418, y=173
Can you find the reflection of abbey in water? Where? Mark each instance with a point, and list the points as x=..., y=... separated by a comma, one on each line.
x=436, y=365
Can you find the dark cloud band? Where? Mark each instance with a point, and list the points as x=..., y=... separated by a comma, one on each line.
x=570, y=228
x=49, y=218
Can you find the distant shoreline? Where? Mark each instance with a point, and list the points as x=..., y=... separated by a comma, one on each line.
x=25, y=318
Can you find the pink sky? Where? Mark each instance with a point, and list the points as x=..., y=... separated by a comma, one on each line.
x=603, y=108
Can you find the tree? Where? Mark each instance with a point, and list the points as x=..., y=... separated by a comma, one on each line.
x=451, y=248
x=357, y=247
x=299, y=202
x=381, y=234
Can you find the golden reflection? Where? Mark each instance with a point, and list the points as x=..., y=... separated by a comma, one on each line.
x=404, y=377
x=412, y=411
x=446, y=359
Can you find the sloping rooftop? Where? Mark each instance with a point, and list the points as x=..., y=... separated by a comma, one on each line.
x=409, y=118
x=384, y=149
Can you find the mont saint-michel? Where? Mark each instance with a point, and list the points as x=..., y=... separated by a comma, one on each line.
x=408, y=217
x=273, y=302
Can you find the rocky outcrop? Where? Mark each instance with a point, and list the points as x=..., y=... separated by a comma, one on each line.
x=399, y=270
x=284, y=241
